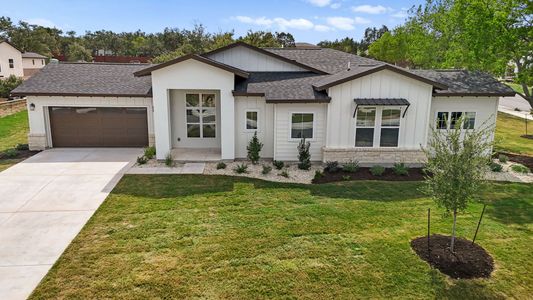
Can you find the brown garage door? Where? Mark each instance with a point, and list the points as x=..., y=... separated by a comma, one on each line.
x=99, y=126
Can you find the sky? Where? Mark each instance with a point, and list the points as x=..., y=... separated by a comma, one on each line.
x=308, y=20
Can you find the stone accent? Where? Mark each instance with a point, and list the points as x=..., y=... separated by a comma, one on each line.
x=371, y=156
x=37, y=142
x=10, y=107
x=151, y=139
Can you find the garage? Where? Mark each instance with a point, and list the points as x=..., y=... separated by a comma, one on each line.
x=98, y=126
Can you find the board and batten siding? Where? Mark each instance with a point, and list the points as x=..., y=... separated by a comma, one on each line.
x=382, y=84
x=285, y=148
x=250, y=60
x=265, y=130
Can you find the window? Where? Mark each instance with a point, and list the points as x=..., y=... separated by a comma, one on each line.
x=469, y=120
x=456, y=116
x=390, y=127
x=33, y=61
x=445, y=118
x=251, y=120
x=42, y=62
x=11, y=63
x=200, y=115
x=302, y=126
x=442, y=120
x=364, y=132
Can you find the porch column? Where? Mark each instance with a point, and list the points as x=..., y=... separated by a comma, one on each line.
x=161, y=122
x=227, y=124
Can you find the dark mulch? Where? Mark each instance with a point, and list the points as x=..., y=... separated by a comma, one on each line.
x=21, y=154
x=415, y=174
x=521, y=159
x=527, y=136
x=468, y=261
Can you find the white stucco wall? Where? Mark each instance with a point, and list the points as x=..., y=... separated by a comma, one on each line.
x=193, y=75
x=250, y=60
x=33, y=63
x=265, y=130
x=8, y=52
x=382, y=84
x=284, y=146
x=39, y=118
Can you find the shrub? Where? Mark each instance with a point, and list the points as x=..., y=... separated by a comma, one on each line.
x=520, y=168
x=141, y=160
x=400, y=169
x=169, y=160
x=240, y=169
x=266, y=169
x=351, y=166
x=22, y=147
x=221, y=165
x=254, y=148
x=318, y=175
x=149, y=152
x=377, y=170
x=278, y=164
x=284, y=173
x=11, y=153
x=9, y=84
x=303, y=155
x=346, y=177
x=495, y=167
x=332, y=166
x=503, y=158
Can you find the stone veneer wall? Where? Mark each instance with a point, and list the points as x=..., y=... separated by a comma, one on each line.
x=370, y=156
x=10, y=107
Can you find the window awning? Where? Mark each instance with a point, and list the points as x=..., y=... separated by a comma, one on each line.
x=381, y=102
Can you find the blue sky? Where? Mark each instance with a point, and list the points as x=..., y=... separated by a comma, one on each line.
x=308, y=20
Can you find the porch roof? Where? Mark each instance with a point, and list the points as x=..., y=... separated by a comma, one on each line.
x=382, y=101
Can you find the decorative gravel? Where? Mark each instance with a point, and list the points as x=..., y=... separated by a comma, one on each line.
x=507, y=174
x=255, y=171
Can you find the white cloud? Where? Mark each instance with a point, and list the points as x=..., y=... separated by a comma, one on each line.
x=323, y=28
x=319, y=3
x=341, y=22
x=281, y=23
x=370, y=9
x=401, y=14
x=262, y=21
x=335, y=5
x=300, y=23
x=41, y=22
x=359, y=20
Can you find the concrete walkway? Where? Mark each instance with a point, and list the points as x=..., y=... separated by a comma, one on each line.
x=510, y=104
x=44, y=202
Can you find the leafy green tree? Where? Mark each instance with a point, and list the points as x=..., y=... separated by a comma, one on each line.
x=76, y=52
x=346, y=44
x=8, y=84
x=254, y=149
x=260, y=39
x=457, y=160
x=285, y=39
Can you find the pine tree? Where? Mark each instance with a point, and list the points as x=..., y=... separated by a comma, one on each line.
x=254, y=148
x=303, y=155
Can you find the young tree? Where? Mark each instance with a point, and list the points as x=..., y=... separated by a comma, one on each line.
x=304, y=156
x=254, y=148
x=77, y=52
x=457, y=161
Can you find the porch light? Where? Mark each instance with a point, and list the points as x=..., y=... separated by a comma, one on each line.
x=32, y=106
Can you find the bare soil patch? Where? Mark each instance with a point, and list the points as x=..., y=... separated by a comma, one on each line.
x=521, y=159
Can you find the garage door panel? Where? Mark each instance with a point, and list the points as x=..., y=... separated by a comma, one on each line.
x=98, y=127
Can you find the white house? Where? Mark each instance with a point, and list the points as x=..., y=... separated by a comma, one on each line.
x=208, y=106
x=20, y=64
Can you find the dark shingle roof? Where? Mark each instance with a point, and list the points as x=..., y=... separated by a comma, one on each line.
x=381, y=101
x=462, y=82
x=32, y=55
x=282, y=86
x=96, y=79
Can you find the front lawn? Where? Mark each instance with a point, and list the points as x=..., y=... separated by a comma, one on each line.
x=508, y=132
x=190, y=236
x=13, y=130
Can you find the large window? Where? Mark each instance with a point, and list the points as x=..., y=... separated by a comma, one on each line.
x=251, y=120
x=302, y=125
x=390, y=127
x=450, y=120
x=200, y=115
x=364, y=132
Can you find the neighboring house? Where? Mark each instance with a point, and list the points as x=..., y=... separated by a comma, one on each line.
x=349, y=107
x=20, y=64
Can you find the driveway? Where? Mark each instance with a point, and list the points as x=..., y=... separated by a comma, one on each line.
x=44, y=202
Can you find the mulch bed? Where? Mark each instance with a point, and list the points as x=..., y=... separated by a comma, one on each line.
x=527, y=136
x=21, y=154
x=468, y=261
x=415, y=174
x=521, y=159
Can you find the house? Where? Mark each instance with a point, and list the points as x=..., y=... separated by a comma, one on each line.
x=20, y=64
x=348, y=107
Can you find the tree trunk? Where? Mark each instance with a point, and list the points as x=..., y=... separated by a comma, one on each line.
x=452, y=245
x=527, y=93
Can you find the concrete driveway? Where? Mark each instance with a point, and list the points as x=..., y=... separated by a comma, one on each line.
x=44, y=202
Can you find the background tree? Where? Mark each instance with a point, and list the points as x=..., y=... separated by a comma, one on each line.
x=457, y=160
x=76, y=52
x=8, y=84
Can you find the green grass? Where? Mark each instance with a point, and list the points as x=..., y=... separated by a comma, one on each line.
x=13, y=130
x=516, y=87
x=214, y=237
x=508, y=132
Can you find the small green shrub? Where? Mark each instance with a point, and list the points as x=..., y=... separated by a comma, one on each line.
x=346, y=177
x=495, y=167
x=221, y=165
x=304, y=157
x=503, y=158
x=266, y=169
x=169, y=160
x=141, y=160
x=11, y=153
x=332, y=167
x=240, y=169
x=254, y=148
x=278, y=164
x=520, y=168
x=284, y=173
x=351, y=166
x=149, y=152
x=318, y=175
x=22, y=147
x=400, y=169
x=377, y=170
